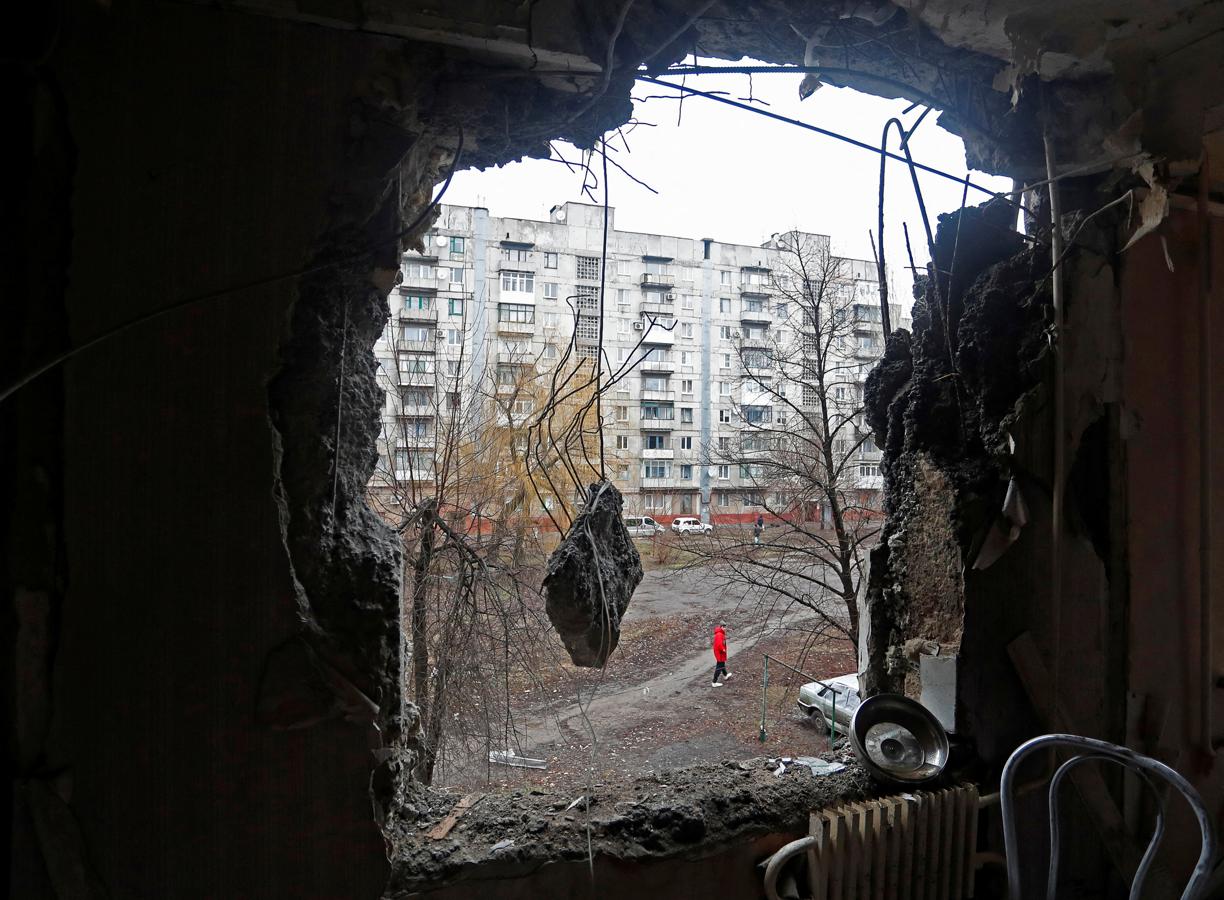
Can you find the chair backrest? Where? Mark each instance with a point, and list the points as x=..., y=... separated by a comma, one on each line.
x=1092, y=750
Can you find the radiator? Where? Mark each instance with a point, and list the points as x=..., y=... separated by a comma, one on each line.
x=913, y=846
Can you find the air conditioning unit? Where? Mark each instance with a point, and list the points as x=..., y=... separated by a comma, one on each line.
x=439, y=334
x=669, y=298
x=639, y=326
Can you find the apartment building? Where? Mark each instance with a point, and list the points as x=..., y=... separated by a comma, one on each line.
x=685, y=320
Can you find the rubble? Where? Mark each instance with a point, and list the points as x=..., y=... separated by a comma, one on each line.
x=591, y=577
x=667, y=813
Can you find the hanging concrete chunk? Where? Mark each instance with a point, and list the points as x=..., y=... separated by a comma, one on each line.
x=591, y=576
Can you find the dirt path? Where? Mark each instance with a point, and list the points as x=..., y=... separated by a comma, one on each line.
x=654, y=708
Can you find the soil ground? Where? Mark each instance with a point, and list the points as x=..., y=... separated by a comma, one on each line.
x=653, y=708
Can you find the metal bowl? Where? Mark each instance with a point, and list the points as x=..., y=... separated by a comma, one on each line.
x=897, y=739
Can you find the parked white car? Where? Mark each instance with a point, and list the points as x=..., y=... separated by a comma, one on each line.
x=642, y=526
x=835, y=699
x=690, y=525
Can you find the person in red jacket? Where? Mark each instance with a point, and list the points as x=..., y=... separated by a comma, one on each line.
x=720, y=653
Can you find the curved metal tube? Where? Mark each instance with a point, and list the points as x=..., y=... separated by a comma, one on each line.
x=1144, y=766
x=773, y=868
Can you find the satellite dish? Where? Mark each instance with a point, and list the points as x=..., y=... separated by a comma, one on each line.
x=443, y=274
x=559, y=215
x=440, y=240
x=898, y=739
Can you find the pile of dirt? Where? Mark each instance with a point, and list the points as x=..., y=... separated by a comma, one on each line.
x=663, y=814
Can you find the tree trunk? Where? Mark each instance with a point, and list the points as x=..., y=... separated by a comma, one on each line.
x=420, y=643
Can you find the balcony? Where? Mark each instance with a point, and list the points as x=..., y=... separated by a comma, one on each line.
x=660, y=364
x=415, y=475
x=658, y=280
x=658, y=335
x=417, y=378
x=409, y=314
x=516, y=328
x=415, y=441
x=658, y=307
x=668, y=453
x=657, y=424
x=667, y=396
x=756, y=316
x=416, y=346
x=524, y=358
x=416, y=410
x=760, y=343
x=754, y=290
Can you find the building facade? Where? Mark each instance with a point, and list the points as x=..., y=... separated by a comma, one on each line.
x=490, y=298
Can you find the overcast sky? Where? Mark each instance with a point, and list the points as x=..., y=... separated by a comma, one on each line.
x=725, y=173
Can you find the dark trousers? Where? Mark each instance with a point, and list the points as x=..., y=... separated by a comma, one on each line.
x=720, y=668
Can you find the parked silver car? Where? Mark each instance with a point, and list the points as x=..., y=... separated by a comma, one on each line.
x=834, y=699
x=642, y=526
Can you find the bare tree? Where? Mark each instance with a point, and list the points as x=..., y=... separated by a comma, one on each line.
x=480, y=458
x=798, y=450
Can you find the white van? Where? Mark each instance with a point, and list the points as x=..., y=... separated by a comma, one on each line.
x=642, y=526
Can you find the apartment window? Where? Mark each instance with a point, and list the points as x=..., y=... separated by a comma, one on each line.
x=687, y=302
x=622, y=415
x=418, y=270
x=622, y=325
x=724, y=389
x=656, y=468
x=454, y=306
x=724, y=332
x=753, y=498
x=622, y=442
x=452, y=400
x=587, y=327
x=724, y=473
x=724, y=499
x=623, y=300
x=586, y=297
x=452, y=367
x=507, y=375
x=686, y=415
x=551, y=290
x=754, y=333
x=550, y=260
x=550, y=351
x=866, y=342
x=454, y=337
x=686, y=443
x=654, y=382
x=456, y=245
x=416, y=363
x=724, y=305
x=724, y=278
x=840, y=393
x=624, y=268
x=754, y=304
x=866, y=471
x=418, y=301
x=652, y=501
x=686, y=386
x=417, y=334
x=781, y=310
x=522, y=282
x=724, y=417
x=513, y=254
x=657, y=411
x=622, y=472
x=756, y=359
x=520, y=313
x=686, y=359
x=758, y=415
x=686, y=330
x=726, y=360
x=656, y=441
x=416, y=397
x=724, y=442
x=588, y=268
x=869, y=445
x=523, y=406
x=417, y=428
x=686, y=473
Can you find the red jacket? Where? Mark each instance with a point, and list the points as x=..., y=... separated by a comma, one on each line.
x=720, y=644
